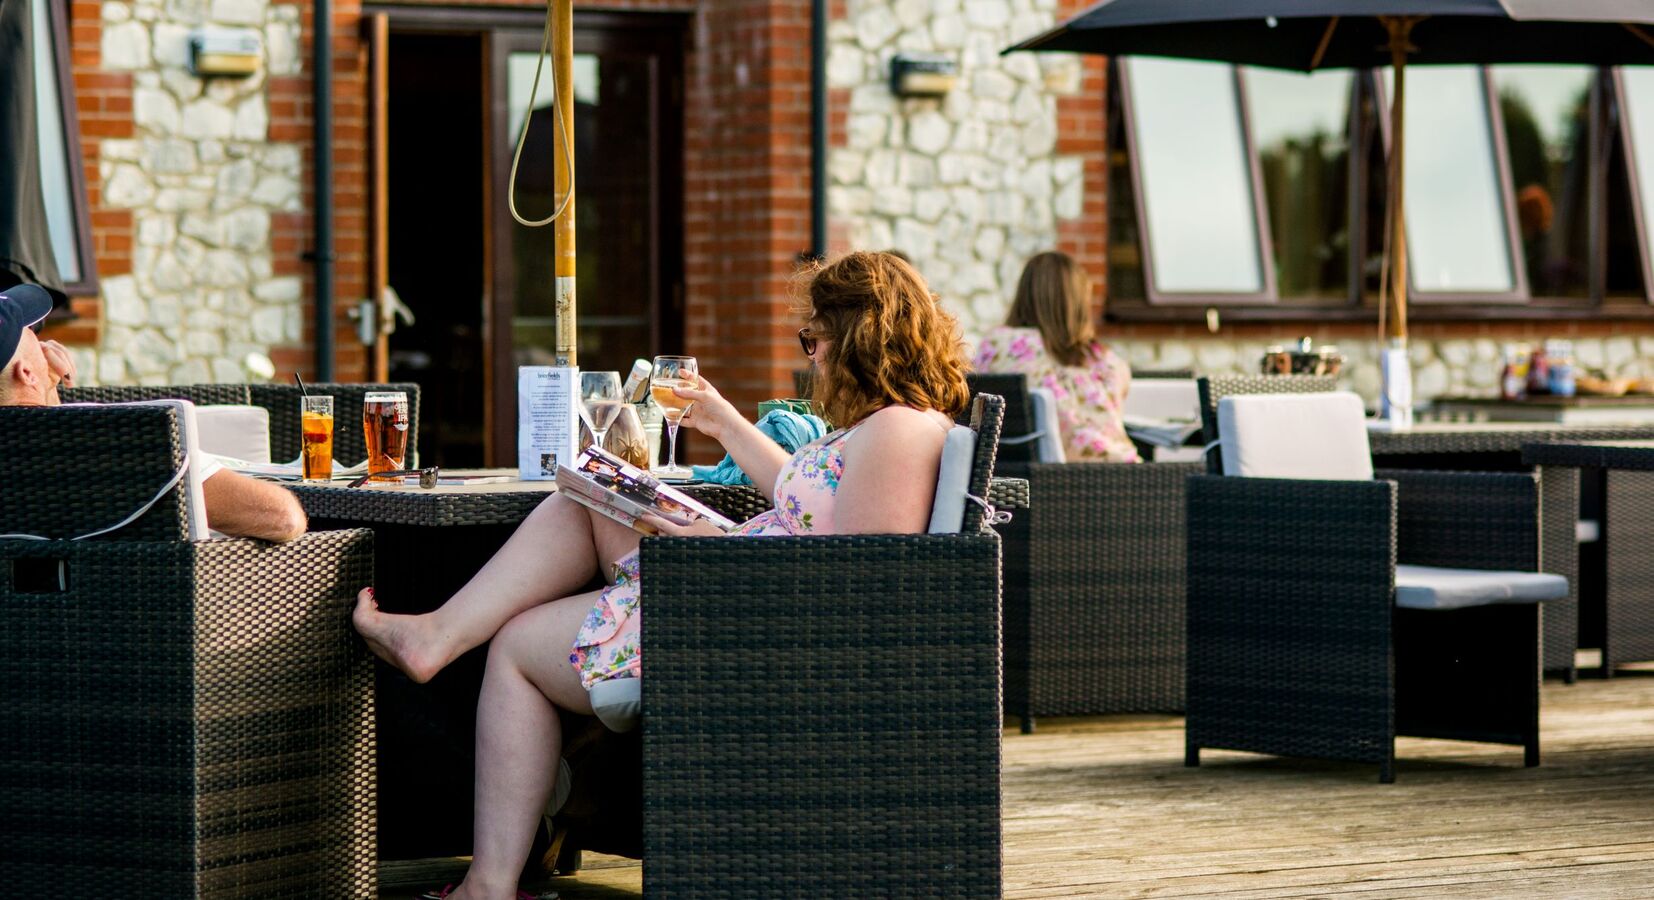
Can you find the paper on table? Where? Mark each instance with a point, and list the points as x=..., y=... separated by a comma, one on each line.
x=548, y=408
x=1160, y=432
x=293, y=471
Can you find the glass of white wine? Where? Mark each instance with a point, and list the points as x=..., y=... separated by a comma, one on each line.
x=671, y=373
x=600, y=402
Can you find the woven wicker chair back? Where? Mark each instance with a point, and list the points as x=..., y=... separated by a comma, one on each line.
x=349, y=443
x=987, y=418
x=75, y=471
x=1215, y=387
x=199, y=394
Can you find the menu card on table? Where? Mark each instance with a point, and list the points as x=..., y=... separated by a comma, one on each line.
x=548, y=420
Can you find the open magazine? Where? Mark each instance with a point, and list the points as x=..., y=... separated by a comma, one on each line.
x=623, y=492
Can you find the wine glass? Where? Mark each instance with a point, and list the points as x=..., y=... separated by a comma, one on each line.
x=600, y=402
x=671, y=373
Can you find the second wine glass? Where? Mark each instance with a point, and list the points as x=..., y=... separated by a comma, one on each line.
x=671, y=373
x=600, y=402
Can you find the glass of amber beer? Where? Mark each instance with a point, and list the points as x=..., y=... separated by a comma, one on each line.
x=385, y=427
x=316, y=428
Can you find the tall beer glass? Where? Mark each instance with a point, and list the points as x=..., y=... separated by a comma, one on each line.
x=316, y=432
x=385, y=427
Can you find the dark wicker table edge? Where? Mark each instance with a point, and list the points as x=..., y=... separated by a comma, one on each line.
x=408, y=507
x=1581, y=454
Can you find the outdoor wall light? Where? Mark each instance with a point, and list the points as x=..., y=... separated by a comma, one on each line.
x=230, y=52
x=922, y=76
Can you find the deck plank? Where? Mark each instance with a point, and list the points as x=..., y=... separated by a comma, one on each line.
x=1103, y=807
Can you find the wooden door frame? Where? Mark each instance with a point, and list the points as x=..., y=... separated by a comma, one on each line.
x=665, y=35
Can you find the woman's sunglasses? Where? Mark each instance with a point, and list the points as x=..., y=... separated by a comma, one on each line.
x=807, y=341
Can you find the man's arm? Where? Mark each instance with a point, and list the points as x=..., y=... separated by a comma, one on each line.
x=245, y=507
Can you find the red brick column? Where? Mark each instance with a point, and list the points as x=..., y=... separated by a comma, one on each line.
x=747, y=182
x=1082, y=130
x=103, y=102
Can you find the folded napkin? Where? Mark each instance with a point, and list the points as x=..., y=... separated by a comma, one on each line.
x=789, y=429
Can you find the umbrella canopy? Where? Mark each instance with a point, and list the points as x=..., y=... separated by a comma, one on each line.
x=1321, y=34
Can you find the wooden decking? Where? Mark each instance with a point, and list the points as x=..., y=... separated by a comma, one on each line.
x=1104, y=808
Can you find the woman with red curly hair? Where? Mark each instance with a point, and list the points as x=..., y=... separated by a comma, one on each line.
x=889, y=366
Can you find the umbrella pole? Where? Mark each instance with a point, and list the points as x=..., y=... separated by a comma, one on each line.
x=562, y=61
x=1395, y=403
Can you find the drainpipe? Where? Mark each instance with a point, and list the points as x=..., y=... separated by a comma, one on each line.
x=818, y=128
x=321, y=254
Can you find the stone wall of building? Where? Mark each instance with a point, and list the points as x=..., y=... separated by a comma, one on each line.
x=199, y=178
x=968, y=185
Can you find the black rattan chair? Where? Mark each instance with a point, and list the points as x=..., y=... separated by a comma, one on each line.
x=1215, y=387
x=1296, y=645
x=199, y=394
x=1094, y=579
x=184, y=719
x=822, y=714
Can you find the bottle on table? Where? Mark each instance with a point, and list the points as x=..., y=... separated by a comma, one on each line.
x=1513, y=381
x=1539, y=372
x=1563, y=370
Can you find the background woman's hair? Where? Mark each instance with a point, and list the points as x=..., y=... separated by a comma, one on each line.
x=1054, y=295
x=890, y=343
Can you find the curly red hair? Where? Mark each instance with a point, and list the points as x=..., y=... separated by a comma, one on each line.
x=890, y=343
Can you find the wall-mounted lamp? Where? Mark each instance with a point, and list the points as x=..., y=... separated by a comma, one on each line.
x=922, y=76
x=232, y=52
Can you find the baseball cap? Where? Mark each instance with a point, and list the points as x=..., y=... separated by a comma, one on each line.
x=21, y=307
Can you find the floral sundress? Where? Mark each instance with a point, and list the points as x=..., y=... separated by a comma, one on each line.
x=607, y=644
x=1090, y=397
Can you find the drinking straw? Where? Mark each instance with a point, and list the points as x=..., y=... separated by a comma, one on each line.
x=301, y=384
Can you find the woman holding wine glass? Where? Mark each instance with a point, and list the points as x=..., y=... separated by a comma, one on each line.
x=890, y=369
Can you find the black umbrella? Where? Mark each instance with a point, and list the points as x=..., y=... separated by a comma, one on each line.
x=1318, y=34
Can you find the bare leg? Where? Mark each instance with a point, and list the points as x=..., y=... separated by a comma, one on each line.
x=519, y=740
x=555, y=552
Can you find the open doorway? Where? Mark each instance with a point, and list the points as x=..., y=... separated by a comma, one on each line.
x=438, y=241
x=479, y=283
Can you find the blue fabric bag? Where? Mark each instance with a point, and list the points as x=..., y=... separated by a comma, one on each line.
x=789, y=429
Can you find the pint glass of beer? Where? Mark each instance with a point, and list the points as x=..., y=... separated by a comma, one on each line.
x=316, y=428
x=385, y=426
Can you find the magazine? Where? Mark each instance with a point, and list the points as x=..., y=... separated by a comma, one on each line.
x=623, y=492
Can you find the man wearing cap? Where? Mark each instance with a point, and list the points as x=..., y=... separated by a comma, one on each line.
x=32, y=372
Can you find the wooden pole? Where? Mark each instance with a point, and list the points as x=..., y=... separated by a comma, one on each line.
x=1400, y=28
x=562, y=61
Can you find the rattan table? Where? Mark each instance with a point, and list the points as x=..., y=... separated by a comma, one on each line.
x=1623, y=620
x=428, y=543
x=1565, y=498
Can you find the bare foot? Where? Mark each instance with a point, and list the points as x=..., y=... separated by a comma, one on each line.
x=403, y=641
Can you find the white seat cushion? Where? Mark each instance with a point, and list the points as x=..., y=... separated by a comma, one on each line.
x=1043, y=404
x=237, y=432
x=953, y=478
x=1429, y=587
x=1314, y=436
x=1168, y=399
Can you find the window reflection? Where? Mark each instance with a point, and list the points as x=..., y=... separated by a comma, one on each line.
x=1457, y=233
x=57, y=189
x=1547, y=117
x=1638, y=113
x=1300, y=127
x=614, y=211
x=1196, y=178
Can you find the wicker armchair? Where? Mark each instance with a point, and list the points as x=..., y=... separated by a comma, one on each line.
x=185, y=719
x=822, y=714
x=1297, y=646
x=1094, y=579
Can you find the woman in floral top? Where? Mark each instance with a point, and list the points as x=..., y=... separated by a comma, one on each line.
x=889, y=365
x=1049, y=337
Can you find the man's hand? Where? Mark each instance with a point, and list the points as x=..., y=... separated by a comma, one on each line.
x=59, y=364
